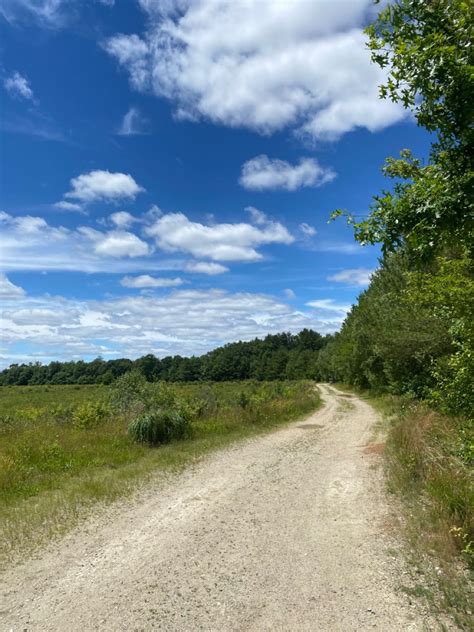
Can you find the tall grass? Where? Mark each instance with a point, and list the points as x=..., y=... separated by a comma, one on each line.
x=429, y=466
x=63, y=450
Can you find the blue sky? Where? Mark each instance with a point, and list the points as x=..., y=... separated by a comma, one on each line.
x=168, y=169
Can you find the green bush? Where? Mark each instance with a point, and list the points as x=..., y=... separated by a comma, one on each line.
x=158, y=427
x=90, y=414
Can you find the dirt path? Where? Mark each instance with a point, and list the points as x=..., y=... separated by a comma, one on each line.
x=282, y=532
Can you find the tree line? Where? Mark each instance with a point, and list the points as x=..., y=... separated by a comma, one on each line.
x=279, y=356
x=412, y=331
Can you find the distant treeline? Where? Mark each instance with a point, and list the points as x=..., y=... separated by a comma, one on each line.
x=280, y=356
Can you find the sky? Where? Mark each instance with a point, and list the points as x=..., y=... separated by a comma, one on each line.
x=168, y=169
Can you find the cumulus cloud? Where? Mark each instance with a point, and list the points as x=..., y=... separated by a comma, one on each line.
x=122, y=219
x=262, y=173
x=133, y=123
x=174, y=232
x=355, y=276
x=181, y=321
x=303, y=65
x=30, y=243
x=205, y=267
x=146, y=281
x=103, y=185
x=116, y=243
x=8, y=289
x=18, y=86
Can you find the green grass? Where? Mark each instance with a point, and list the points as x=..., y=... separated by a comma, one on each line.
x=429, y=459
x=53, y=470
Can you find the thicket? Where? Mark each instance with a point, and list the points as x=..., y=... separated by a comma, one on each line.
x=280, y=356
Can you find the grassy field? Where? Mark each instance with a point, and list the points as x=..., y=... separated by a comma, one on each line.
x=65, y=449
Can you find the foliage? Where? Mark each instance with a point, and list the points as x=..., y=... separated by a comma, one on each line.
x=90, y=414
x=426, y=49
x=161, y=426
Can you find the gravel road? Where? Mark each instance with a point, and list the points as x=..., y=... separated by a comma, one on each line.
x=287, y=531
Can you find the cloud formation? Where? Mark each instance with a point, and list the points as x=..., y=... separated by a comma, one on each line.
x=146, y=281
x=205, y=267
x=354, y=276
x=116, y=243
x=68, y=206
x=18, y=86
x=181, y=321
x=307, y=229
x=302, y=65
x=331, y=307
x=174, y=232
x=105, y=186
x=122, y=219
x=262, y=173
x=47, y=13
x=30, y=243
x=133, y=123
x=9, y=289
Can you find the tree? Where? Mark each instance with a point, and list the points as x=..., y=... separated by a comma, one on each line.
x=426, y=48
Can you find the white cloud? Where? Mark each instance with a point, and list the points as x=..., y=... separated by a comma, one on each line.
x=8, y=289
x=116, y=243
x=258, y=217
x=69, y=206
x=181, y=321
x=48, y=13
x=355, y=276
x=122, y=219
x=133, y=123
x=307, y=229
x=330, y=306
x=103, y=185
x=290, y=295
x=263, y=65
x=146, y=281
x=346, y=248
x=262, y=173
x=220, y=242
x=30, y=243
x=18, y=86
x=205, y=267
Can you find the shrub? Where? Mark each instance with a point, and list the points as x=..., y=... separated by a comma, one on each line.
x=90, y=414
x=128, y=394
x=158, y=427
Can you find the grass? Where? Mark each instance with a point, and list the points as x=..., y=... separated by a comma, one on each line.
x=429, y=459
x=54, y=467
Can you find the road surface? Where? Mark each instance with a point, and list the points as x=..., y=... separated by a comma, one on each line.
x=286, y=531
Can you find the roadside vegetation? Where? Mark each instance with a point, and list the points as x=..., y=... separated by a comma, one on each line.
x=64, y=449
x=409, y=340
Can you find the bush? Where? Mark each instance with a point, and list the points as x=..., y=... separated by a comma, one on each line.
x=90, y=414
x=158, y=427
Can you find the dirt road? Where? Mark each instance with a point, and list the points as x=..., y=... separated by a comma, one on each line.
x=283, y=532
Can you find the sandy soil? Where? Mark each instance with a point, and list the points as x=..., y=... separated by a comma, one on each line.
x=289, y=531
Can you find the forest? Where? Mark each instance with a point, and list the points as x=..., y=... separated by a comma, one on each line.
x=280, y=356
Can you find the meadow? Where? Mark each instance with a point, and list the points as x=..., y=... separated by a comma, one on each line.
x=67, y=449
